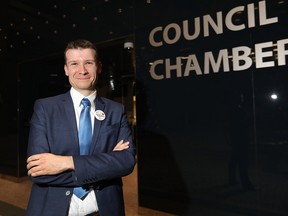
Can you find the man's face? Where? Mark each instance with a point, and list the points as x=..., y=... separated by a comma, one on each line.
x=82, y=69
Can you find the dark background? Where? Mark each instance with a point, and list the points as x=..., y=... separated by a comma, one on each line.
x=212, y=144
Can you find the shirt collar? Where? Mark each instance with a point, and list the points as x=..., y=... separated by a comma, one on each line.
x=77, y=97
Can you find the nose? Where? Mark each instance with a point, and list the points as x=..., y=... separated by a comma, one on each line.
x=82, y=69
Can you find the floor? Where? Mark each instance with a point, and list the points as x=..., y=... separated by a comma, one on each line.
x=16, y=191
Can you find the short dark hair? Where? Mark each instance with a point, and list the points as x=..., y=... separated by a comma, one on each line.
x=81, y=44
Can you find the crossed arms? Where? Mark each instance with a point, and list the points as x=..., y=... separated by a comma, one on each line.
x=51, y=164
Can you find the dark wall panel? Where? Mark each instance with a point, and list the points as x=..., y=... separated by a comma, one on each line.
x=8, y=117
x=212, y=106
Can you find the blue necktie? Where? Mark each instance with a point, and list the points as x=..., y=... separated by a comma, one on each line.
x=85, y=138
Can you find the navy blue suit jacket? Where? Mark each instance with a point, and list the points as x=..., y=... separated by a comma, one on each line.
x=53, y=130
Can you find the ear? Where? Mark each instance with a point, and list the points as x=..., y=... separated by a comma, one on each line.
x=99, y=67
x=66, y=70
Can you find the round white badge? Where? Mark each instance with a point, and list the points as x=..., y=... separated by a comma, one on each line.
x=100, y=115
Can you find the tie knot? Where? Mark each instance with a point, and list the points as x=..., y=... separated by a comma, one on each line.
x=85, y=102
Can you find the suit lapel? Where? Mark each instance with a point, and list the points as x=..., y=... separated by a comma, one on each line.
x=71, y=118
x=99, y=105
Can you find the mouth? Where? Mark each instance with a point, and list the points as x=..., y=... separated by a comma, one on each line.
x=83, y=78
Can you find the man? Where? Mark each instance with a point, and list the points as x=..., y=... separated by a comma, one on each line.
x=55, y=162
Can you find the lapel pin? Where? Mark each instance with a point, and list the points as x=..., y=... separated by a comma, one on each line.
x=100, y=115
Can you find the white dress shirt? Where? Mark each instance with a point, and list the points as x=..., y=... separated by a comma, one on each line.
x=89, y=205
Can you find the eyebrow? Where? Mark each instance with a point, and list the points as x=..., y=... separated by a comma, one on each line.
x=78, y=60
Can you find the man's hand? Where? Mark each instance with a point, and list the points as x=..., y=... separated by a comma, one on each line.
x=121, y=146
x=48, y=164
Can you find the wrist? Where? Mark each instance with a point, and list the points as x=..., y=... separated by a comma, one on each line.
x=68, y=163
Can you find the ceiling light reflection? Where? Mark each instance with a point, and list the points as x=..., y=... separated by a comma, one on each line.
x=274, y=96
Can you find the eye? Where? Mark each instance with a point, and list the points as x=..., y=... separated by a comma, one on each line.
x=73, y=64
x=90, y=62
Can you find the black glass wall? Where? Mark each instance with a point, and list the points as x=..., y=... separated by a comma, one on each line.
x=9, y=160
x=212, y=106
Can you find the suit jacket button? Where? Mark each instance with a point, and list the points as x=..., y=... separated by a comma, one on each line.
x=67, y=193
